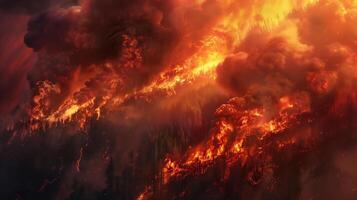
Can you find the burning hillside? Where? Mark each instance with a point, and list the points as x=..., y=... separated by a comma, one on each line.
x=178, y=99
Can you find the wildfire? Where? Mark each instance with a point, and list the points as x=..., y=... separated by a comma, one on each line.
x=213, y=49
x=279, y=80
x=240, y=124
x=202, y=63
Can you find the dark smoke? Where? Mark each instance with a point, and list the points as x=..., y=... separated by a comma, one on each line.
x=33, y=6
x=15, y=62
x=117, y=156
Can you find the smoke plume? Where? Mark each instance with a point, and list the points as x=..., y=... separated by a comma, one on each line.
x=178, y=99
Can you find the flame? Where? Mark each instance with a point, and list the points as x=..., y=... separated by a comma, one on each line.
x=246, y=129
x=240, y=125
x=227, y=32
x=78, y=162
x=202, y=63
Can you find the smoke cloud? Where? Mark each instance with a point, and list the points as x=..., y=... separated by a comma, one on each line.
x=151, y=99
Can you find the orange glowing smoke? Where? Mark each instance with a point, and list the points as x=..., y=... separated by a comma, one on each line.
x=263, y=118
x=278, y=75
x=229, y=26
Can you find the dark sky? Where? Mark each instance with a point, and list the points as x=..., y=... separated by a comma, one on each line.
x=31, y=6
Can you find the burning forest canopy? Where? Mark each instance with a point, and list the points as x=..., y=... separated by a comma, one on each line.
x=178, y=99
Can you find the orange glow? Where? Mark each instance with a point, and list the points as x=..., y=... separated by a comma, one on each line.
x=169, y=92
x=242, y=124
x=228, y=31
x=271, y=61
